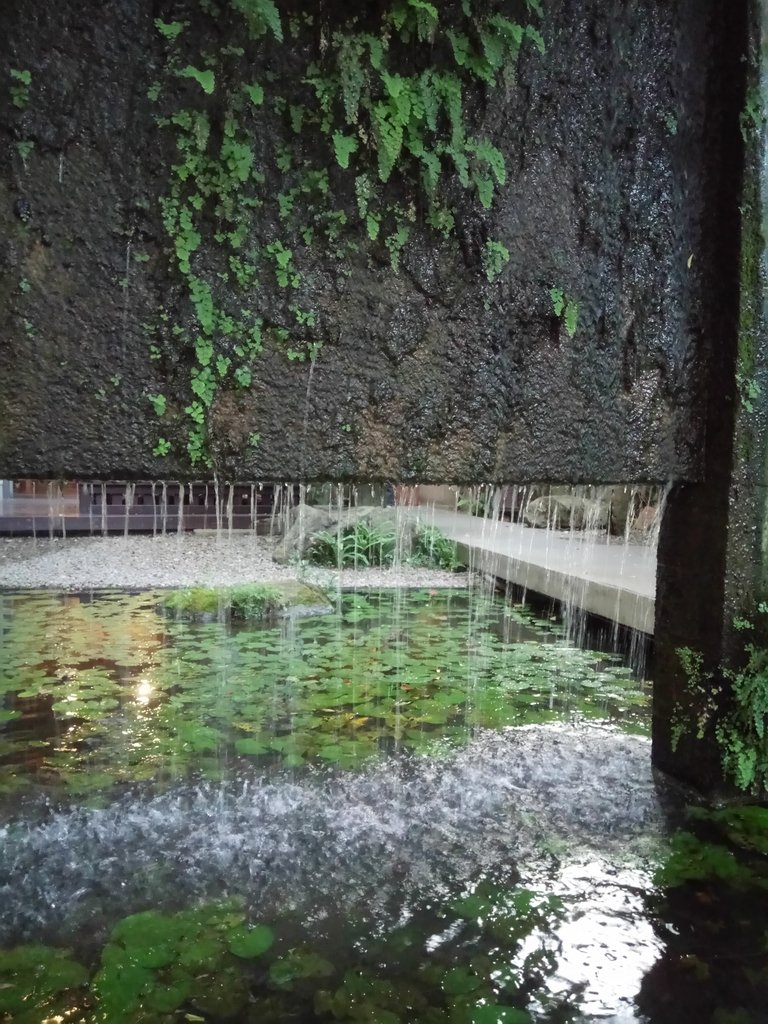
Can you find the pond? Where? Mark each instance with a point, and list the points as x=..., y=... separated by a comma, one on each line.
x=422, y=807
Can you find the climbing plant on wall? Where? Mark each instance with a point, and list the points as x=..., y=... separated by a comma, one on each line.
x=739, y=722
x=372, y=133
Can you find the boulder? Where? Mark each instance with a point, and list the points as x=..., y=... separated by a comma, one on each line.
x=306, y=521
x=566, y=512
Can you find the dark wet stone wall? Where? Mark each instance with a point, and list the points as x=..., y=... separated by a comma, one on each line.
x=712, y=568
x=615, y=167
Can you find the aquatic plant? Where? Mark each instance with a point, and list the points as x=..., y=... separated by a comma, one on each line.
x=213, y=963
x=37, y=982
x=198, y=695
x=160, y=962
x=711, y=906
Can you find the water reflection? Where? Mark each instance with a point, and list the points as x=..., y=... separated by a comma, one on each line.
x=437, y=809
x=383, y=672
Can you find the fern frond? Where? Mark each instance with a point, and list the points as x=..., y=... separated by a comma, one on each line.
x=571, y=318
x=389, y=139
x=536, y=38
x=426, y=19
x=461, y=47
x=493, y=48
x=375, y=50
x=460, y=162
x=351, y=74
x=431, y=168
x=363, y=193
x=261, y=16
x=448, y=88
x=430, y=101
x=509, y=33
x=484, y=190
x=486, y=153
x=344, y=146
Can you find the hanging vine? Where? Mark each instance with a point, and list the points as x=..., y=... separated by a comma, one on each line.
x=374, y=136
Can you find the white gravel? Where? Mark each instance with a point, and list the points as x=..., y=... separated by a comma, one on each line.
x=139, y=562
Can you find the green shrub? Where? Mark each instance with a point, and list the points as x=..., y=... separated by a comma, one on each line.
x=740, y=725
x=254, y=601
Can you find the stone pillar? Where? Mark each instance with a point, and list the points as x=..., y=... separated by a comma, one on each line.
x=713, y=547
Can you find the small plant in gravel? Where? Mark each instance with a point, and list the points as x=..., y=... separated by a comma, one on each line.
x=361, y=545
x=433, y=548
x=365, y=544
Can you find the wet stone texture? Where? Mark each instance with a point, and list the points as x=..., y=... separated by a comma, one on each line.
x=434, y=374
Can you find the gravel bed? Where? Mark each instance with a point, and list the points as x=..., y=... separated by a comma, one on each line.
x=142, y=562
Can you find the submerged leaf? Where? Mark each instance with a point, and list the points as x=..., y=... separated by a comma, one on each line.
x=250, y=942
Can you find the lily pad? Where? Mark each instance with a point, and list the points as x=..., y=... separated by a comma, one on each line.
x=250, y=942
x=120, y=988
x=299, y=964
x=251, y=746
x=460, y=981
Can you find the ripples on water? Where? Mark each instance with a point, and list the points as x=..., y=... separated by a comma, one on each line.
x=565, y=810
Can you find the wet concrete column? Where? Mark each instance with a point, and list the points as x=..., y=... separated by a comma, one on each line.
x=713, y=548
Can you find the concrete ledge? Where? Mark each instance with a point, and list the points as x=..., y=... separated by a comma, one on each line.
x=604, y=576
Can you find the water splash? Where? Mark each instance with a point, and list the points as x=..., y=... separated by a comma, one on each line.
x=403, y=829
